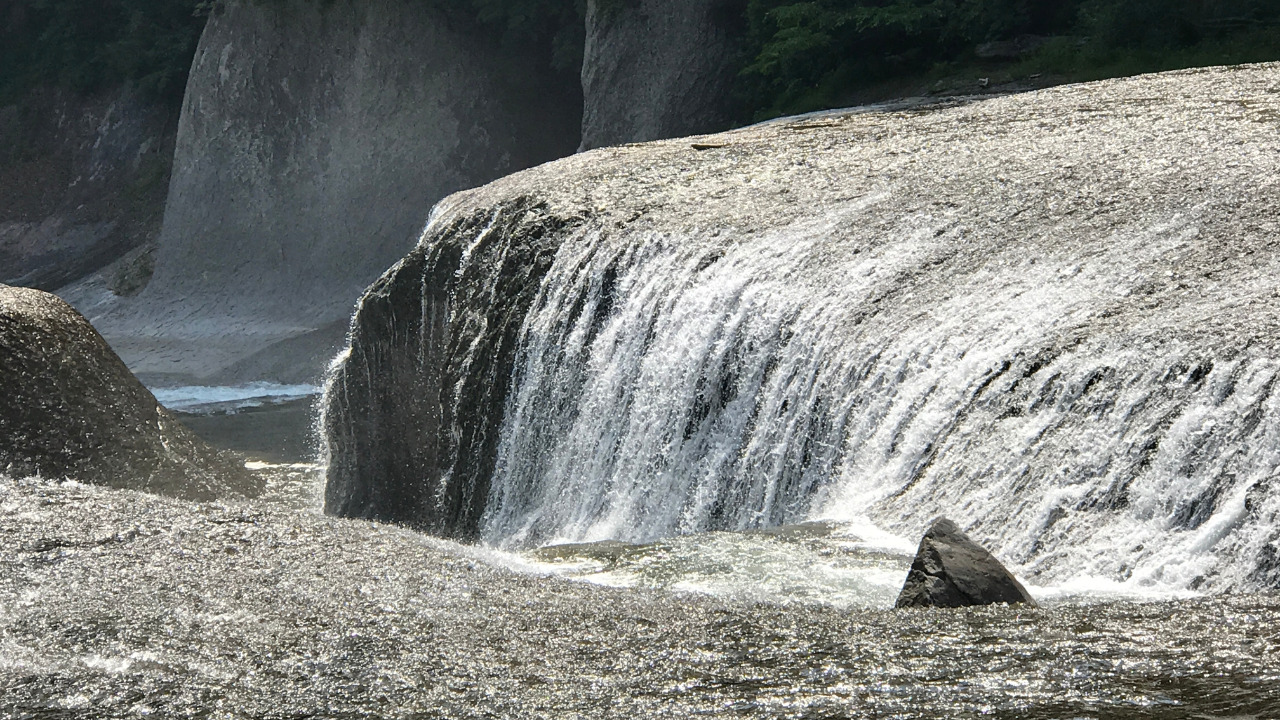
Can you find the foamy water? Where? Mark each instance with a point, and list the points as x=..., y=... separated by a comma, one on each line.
x=229, y=398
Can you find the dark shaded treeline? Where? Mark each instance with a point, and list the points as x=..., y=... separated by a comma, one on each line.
x=83, y=45
x=807, y=55
x=794, y=55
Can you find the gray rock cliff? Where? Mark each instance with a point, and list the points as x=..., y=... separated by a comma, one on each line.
x=1056, y=311
x=950, y=571
x=82, y=183
x=73, y=410
x=314, y=139
x=656, y=69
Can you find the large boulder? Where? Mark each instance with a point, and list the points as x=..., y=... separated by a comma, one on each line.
x=657, y=69
x=73, y=410
x=951, y=571
x=314, y=139
x=1056, y=311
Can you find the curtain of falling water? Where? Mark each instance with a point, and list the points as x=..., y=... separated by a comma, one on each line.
x=670, y=384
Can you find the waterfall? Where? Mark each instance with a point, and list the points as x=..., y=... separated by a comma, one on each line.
x=1067, y=341
x=672, y=384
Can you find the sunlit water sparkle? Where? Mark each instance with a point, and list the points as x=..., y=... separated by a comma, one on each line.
x=119, y=604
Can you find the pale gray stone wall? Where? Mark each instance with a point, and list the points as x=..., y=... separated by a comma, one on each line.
x=656, y=69
x=315, y=138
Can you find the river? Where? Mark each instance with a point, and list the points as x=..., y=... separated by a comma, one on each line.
x=120, y=604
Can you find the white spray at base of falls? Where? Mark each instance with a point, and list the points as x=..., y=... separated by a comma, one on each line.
x=670, y=384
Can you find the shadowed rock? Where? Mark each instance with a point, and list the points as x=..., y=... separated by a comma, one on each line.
x=314, y=139
x=72, y=409
x=950, y=570
x=658, y=69
x=82, y=183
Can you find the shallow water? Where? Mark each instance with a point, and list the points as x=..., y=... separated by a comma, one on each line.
x=118, y=604
x=207, y=399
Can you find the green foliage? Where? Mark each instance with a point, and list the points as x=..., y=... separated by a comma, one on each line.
x=808, y=54
x=84, y=44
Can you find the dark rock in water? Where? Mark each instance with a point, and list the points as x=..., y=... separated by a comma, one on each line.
x=72, y=409
x=658, y=69
x=414, y=411
x=950, y=570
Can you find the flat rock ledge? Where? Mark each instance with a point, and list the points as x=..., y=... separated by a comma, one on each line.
x=73, y=410
x=951, y=570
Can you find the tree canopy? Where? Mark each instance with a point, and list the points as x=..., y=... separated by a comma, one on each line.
x=804, y=54
x=795, y=55
x=82, y=44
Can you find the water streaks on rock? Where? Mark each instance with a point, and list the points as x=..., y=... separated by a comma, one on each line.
x=1054, y=312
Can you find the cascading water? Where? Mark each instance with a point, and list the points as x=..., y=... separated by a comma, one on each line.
x=1066, y=339
x=673, y=385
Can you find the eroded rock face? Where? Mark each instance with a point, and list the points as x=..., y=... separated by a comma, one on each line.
x=72, y=409
x=314, y=139
x=412, y=410
x=1054, y=310
x=657, y=69
x=950, y=570
x=82, y=183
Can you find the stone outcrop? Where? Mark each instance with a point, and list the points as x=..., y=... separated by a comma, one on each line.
x=314, y=139
x=82, y=184
x=950, y=570
x=657, y=69
x=409, y=397
x=1054, y=310
x=73, y=410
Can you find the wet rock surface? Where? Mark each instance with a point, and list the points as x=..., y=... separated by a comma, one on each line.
x=1054, y=310
x=950, y=570
x=73, y=410
x=410, y=400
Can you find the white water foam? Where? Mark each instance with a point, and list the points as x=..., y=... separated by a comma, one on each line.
x=806, y=564
x=672, y=385
x=229, y=398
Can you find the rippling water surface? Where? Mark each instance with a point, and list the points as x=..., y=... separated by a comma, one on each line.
x=118, y=604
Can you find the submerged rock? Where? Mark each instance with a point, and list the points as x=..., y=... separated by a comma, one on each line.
x=950, y=570
x=72, y=409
